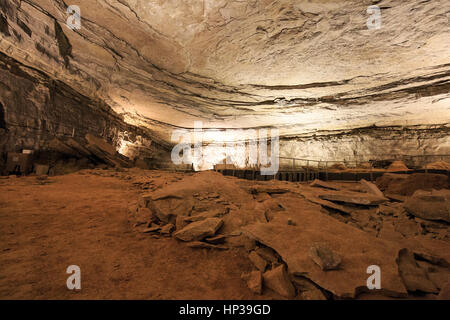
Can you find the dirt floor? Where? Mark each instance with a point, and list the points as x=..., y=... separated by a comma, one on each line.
x=81, y=219
x=110, y=223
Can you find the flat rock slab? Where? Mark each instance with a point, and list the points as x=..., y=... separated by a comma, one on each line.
x=396, y=197
x=308, y=290
x=322, y=184
x=371, y=188
x=268, y=189
x=204, y=245
x=199, y=230
x=326, y=203
x=357, y=249
x=354, y=198
x=217, y=239
x=429, y=205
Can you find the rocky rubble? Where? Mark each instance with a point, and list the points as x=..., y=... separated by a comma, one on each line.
x=301, y=245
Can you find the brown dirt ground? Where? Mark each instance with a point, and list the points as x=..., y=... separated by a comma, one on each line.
x=82, y=219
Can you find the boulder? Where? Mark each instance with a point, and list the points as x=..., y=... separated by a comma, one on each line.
x=407, y=184
x=199, y=230
x=429, y=205
x=324, y=257
x=278, y=281
x=414, y=277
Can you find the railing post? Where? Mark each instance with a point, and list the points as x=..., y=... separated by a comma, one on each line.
x=307, y=170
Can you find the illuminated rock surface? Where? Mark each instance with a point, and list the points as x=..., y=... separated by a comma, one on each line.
x=311, y=68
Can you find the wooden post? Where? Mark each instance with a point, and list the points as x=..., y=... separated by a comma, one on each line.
x=326, y=170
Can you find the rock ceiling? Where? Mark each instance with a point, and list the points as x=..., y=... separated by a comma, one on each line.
x=302, y=66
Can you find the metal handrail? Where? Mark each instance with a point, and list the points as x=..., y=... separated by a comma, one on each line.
x=382, y=158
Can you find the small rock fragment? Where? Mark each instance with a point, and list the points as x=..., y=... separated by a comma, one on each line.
x=323, y=256
x=259, y=262
x=291, y=222
x=167, y=229
x=217, y=239
x=255, y=282
x=278, y=281
x=152, y=229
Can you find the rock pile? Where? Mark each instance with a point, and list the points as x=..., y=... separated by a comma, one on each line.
x=308, y=241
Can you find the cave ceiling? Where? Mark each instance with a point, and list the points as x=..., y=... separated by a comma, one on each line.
x=300, y=66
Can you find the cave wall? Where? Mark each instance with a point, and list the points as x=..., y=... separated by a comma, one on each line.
x=373, y=143
x=35, y=109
